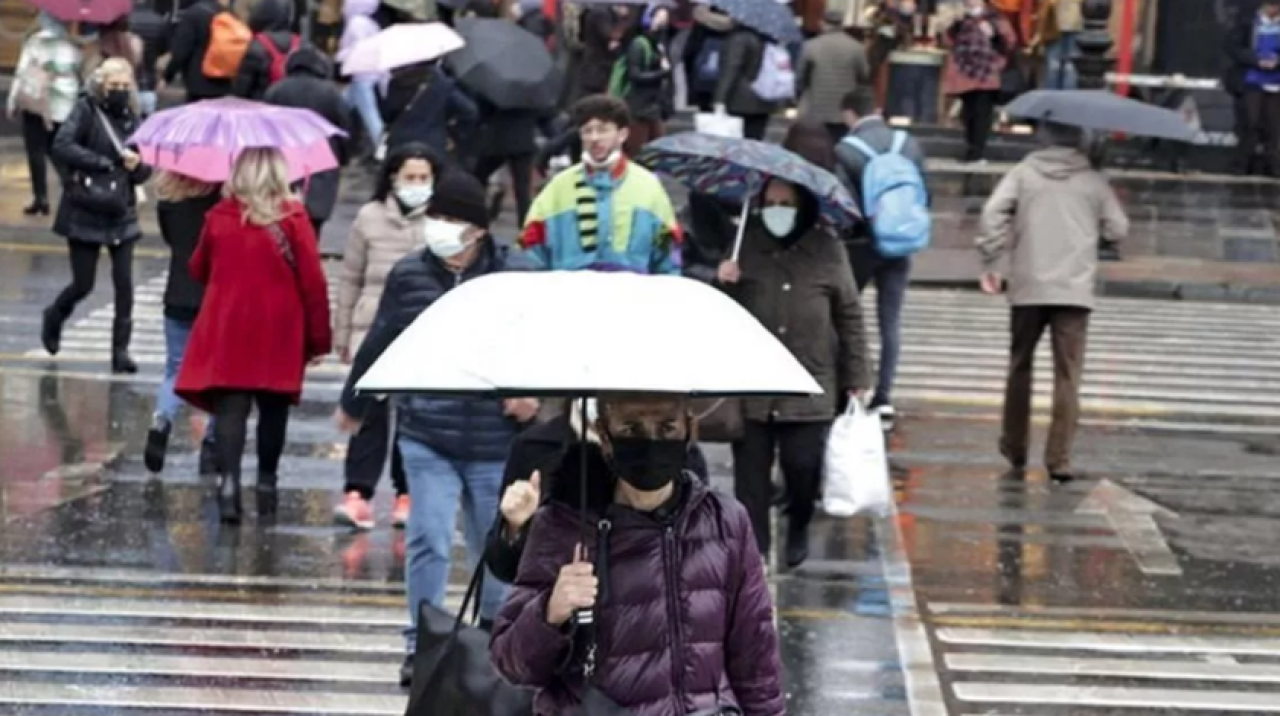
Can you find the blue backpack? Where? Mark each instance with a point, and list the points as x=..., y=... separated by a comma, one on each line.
x=895, y=199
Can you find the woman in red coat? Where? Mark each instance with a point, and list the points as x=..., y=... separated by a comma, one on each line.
x=265, y=317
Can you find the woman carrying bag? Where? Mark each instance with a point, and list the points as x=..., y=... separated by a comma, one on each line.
x=99, y=206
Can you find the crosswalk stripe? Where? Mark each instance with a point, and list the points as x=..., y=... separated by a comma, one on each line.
x=1118, y=697
x=205, y=700
x=372, y=672
x=1112, y=643
x=184, y=610
x=151, y=636
x=1123, y=668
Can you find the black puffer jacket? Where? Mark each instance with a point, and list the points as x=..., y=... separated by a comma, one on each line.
x=469, y=429
x=188, y=45
x=83, y=146
x=270, y=22
x=181, y=223
x=309, y=86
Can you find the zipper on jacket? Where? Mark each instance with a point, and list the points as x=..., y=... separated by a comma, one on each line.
x=672, y=566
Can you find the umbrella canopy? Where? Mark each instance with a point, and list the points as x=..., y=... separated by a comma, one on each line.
x=399, y=46
x=768, y=17
x=586, y=333
x=736, y=170
x=506, y=64
x=202, y=140
x=1103, y=111
x=102, y=12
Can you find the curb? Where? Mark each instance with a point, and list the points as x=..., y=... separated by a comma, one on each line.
x=1206, y=292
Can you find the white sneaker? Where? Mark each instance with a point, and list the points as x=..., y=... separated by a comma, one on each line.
x=887, y=417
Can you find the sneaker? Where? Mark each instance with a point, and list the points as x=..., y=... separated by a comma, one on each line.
x=157, y=445
x=354, y=512
x=406, y=672
x=887, y=416
x=400, y=513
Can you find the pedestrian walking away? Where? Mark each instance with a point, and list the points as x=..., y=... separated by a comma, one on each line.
x=266, y=58
x=1253, y=47
x=365, y=90
x=642, y=77
x=831, y=65
x=453, y=448
x=205, y=33
x=742, y=57
x=99, y=208
x=980, y=42
x=386, y=229
x=1048, y=215
x=605, y=213
x=265, y=316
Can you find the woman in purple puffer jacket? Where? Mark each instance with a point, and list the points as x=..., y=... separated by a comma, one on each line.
x=683, y=616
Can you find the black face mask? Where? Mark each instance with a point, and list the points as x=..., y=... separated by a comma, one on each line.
x=648, y=465
x=117, y=101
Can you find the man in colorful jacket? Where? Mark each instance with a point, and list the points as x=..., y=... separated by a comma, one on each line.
x=606, y=213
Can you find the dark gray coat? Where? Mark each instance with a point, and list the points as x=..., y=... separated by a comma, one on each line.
x=740, y=60
x=308, y=86
x=82, y=146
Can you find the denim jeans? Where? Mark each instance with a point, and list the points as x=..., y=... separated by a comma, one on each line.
x=436, y=485
x=1060, y=71
x=913, y=92
x=176, y=335
x=891, y=277
x=362, y=96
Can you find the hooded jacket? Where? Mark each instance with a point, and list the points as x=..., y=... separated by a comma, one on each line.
x=189, y=43
x=307, y=85
x=1048, y=214
x=269, y=21
x=684, y=621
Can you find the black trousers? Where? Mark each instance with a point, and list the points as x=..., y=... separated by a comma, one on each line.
x=367, y=453
x=232, y=408
x=38, y=141
x=979, y=113
x=84, y=273
x=755, y=126
x=1258, y=128
x=798, y=447
x=521, y=166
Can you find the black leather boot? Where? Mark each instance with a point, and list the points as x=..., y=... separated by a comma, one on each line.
x=230, y=510
x=268, y=497
x=121, y=332
x=51, y=329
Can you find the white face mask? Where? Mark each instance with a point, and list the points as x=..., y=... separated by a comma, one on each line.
x=414, y=195
x=779, y=220
x=977, y=11
x=444, y=238
x=609, y=161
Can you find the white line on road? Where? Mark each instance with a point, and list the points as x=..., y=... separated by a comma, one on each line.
x=1112, y=643
x=1118, y=697
x=1123, y=668
x=1133, y=519
x=919, y=670
x=201, y=700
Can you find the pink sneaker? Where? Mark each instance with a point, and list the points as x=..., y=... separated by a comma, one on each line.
x=354, y=512
x=400, y=513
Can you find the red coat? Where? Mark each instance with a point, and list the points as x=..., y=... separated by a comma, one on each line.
x=262, y=319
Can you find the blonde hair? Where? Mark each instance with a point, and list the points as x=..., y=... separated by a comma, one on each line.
x=171, y=186
x=114, y=66
x=260, y=182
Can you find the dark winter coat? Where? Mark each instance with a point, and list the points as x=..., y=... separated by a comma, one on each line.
x=188, y=46
x=504, y=132
x=180, y=225
x=308, y=85
x=601, y=28
x=458, y=428
x=270, y=22
x=684, y=620
x=709, y=232
x=740, y=60
x=649, y=89
x=432, y=111
x=263, y=316
x=82, y=146
x=803, y=291
x=1239, y=48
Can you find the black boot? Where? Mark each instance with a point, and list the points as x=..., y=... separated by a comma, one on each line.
x=39, y=207
x=157, y=445
x=229, y=507
x=121, y=332
x=51, y=329
x=797, y=546
x=209, y=464
x=268, y=498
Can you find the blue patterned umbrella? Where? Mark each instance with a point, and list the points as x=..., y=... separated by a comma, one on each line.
x=768, y=17
x=737, y=169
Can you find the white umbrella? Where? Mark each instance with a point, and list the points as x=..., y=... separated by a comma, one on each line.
x=586, y=333
x=400, y=46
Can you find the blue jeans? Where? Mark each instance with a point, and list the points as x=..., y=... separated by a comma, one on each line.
x=1060, y=70
x=891, y=277
x=436, y=484
x=176, y=335
x=362, y=96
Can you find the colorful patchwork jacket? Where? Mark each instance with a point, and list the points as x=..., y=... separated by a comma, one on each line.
x=604, y=221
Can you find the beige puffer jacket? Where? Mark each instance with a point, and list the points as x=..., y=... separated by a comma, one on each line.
x=380, y=236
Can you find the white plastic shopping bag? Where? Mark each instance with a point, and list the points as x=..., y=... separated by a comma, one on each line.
x=855, y=470
x=718, y=124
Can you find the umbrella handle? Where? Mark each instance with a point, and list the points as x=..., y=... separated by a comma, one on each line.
x=742, y=230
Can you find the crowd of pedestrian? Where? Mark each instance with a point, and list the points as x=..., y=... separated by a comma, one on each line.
x=247, y=309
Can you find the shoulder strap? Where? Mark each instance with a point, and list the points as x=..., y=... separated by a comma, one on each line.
x=860, y=145
x=265, y=40
x=899, y=141
x=111, y=131
x=282, y=245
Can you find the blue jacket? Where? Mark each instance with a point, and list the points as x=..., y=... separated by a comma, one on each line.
x=431, y=111
x=458, y=428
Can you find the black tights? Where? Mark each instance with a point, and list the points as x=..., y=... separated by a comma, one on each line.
x=231, y=408
x=84, y=272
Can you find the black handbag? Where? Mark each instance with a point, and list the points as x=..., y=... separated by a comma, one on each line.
x=106, y=194
x=452, y=674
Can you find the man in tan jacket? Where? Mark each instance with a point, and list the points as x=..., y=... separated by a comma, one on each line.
x=1048, y=215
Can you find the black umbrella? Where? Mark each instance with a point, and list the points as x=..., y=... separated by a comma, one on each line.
x=505, y=64
x=1102, y=111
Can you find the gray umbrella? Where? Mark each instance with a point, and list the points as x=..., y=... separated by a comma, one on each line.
x=1102, y=111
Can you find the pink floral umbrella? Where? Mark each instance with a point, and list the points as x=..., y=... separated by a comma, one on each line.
x=95, y=11
x=202, y=140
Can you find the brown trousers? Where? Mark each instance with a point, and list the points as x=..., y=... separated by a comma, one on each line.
x=1068, y=328
x=642, y=132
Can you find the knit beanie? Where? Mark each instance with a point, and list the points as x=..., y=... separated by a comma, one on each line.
x=458, y=195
